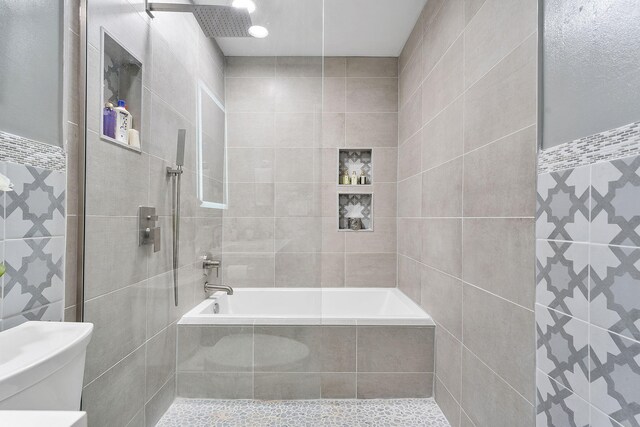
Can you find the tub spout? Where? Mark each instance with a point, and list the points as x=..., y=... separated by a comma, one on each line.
x=208, y=287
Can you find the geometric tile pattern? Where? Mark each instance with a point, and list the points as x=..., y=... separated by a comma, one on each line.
x=599, y=147
x=562, y=273
x=34, y=274
x=563, y=349
x=358, y=161
x=615, y=194
x=598, y=205
x=264, y=413
x=23, y=151
x=356, y=205
x=36, y=206
x=615, y=376
x=563, y=205
x=615, y=289
x=557, y=406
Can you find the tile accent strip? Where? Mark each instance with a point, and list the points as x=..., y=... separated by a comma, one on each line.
x=23, y=151
x=604, y=146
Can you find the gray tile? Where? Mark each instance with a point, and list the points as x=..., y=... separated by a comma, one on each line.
x=335, y=66
x=385, y=165
x=296, y=129
x=410, y=197
x=442, y=136
x=442, y=299
x=278, y=386
x=294, y=165
x=253, y=165
x=299, y=66
x=250, y=95
x=445, y=82
x=394, y=385
x=250, y=200
x=385, y=203
x=488, y=400
x=556, y=405
x=408, y=245
x=443, y=30
x=414, y=344
x=248, y=234
x=117, y=396
x=297, y=270
x=508, y=168
x=249, y=270
x=305, y=348
x=334, y=96
x=250, y=130
x=363, y=66
x=499, y=333
x=502, y=262
x=215, y=385
x=504, y=100
x=332, y=269
x=298, y=234
x=215, y=348
x=250, y=66
x=160, y=360
x=496, y=30
x=381, y=239
x=298, y=94
x=165, y=122
x=442, y=190
x=410, y=116
x=448, y=362
x=441, y=244
x=372, y=130
x=333, y=133
x=413, y=42
x=370, y=95
x=410, y=157
x=471, y=7
x=411, y=76
x=370, y=270
x=295, y=199
x=409, y=278
x=119, y=327
x=160, y=402
x=338, y=385
x=450, y=408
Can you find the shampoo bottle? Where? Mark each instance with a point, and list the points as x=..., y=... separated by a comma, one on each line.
x=354, y=178
x=109, y=121
x=124, y=122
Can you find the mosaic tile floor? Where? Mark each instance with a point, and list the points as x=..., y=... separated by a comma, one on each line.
x=311, y=413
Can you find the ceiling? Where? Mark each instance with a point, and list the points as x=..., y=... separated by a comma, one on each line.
x=352, y=28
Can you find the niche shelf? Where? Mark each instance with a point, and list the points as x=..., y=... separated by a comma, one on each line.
x=359, y=205
x=356, y=160
x=121, y=79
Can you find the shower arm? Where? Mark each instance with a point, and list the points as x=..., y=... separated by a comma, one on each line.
x=176, y=174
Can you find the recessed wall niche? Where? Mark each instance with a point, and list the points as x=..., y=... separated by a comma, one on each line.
x=121, y=81
x=355, y=160
x=355, y=212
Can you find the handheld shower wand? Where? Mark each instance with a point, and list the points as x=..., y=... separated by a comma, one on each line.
x=175, y=174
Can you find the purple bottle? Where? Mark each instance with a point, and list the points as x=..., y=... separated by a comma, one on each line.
x=109, y=121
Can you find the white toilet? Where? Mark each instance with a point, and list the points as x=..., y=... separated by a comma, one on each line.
x=42, y=365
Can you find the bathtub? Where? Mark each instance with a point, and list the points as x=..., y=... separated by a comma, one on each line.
x=308, y=306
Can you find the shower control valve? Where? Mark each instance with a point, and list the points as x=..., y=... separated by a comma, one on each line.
x=148, y=232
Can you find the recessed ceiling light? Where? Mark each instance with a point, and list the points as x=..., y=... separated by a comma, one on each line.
x=258, y=31
x=244, y=4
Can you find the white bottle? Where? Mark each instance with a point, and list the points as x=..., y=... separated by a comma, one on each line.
x=124, y=121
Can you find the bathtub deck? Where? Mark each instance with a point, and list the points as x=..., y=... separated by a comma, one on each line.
x=312, y=413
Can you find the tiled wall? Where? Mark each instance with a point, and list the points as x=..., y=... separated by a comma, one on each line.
x=130, y=368
x=466, y=201
x=588, y=294
x=305, y=362
x=285, y=125
x=32, y=227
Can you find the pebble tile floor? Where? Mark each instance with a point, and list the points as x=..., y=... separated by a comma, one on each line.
x=311, y=413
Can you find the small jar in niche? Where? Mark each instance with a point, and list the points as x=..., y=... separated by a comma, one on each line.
x=362, y=180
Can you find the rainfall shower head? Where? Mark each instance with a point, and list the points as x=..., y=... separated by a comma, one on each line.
x=215, y=20
x=182, y=133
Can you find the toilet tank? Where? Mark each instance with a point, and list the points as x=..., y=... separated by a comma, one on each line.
x=42, y=365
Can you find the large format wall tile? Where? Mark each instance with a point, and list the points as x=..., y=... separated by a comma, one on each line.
x=615, y=289
x=562, y=272
x=615, y=190
x=563, y=205
x=615, y=375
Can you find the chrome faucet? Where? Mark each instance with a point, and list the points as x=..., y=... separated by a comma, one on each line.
x=210, y=287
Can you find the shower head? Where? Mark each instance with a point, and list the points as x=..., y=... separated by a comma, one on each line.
x=182, y=133
x=218, y=20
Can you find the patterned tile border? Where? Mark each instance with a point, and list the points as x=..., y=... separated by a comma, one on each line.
x=612, y=144
x=17, y=149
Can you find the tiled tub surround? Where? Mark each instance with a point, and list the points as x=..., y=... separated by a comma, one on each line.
x=130, y=368
x=281, y=228
x=588, y=295
x=466, y=201
x=32, y=227
x=305, y=362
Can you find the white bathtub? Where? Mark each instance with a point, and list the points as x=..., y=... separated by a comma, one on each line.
x=309, y=306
